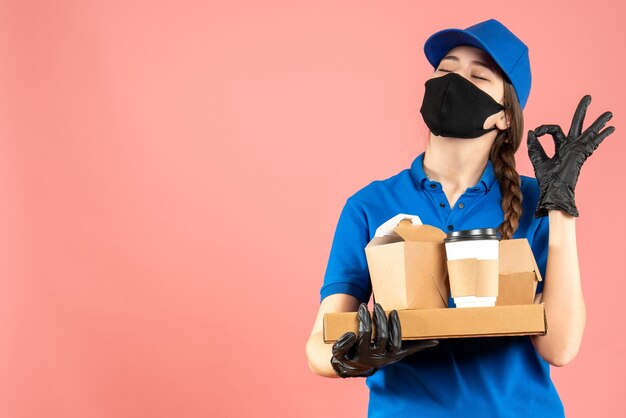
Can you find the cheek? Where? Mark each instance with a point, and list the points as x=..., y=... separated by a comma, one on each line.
x=492, y=92
x=494, y=88
x=437, y=73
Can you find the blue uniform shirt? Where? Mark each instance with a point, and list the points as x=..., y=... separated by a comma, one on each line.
x=464, y=377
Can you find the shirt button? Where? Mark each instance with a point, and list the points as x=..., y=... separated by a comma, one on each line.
x=432, y=186
x=450, y=227
x=443, y=205
x=461, y=205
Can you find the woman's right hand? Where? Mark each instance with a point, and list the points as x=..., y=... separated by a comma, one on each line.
x=356, y=356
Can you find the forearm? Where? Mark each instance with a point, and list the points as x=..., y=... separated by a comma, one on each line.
x=562, y=293
x=318, y=355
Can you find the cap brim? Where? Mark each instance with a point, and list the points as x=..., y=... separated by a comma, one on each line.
x=439, y=43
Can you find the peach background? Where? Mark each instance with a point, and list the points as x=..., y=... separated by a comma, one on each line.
x=171, y=174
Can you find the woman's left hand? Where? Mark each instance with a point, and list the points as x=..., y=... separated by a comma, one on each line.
x=357, y=356
x=557, y=176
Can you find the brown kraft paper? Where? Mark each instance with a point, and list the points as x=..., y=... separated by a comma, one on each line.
x=473, y=277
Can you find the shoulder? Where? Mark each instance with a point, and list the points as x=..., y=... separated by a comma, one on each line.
x=380, y=188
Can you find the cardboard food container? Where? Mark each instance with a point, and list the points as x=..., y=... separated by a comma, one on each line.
x=409, y=274
x=408, y=270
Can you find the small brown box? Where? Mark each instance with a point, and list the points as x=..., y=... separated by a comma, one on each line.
x=408, y=271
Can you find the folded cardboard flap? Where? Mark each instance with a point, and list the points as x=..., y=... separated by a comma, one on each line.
x=441, y=289
x=423, y=233
x=516, y=256
x=419, y=324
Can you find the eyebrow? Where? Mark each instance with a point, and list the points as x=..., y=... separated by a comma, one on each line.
x=482, y=64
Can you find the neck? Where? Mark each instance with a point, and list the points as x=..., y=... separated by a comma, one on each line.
x=457, y=163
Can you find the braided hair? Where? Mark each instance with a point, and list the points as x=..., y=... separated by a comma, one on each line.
x=502, y=156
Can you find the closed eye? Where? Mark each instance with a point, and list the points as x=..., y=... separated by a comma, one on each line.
x=475, y=76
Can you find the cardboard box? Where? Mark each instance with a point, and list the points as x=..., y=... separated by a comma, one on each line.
x=419, y=324
x=409, y=274
x=408, y=271
x=518, y=273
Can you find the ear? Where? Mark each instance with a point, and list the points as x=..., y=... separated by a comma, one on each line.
x=504, y=121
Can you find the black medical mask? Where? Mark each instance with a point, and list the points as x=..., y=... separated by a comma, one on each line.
x=454, y=107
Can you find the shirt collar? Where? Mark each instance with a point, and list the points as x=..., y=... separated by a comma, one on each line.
x=485, y=183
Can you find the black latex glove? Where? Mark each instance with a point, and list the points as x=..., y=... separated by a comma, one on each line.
x=557, y=176
x=357, y=356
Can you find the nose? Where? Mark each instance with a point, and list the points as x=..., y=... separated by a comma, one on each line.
x=460, y=71
x=464, y=73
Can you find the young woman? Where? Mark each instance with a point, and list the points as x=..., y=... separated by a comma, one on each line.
x=466, y=178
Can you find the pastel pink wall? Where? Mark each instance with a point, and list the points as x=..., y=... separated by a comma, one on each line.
x=171, y=174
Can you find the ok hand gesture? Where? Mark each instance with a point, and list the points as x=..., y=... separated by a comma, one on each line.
x=557, y=176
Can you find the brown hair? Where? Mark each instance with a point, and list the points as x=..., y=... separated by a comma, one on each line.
x=502, y=156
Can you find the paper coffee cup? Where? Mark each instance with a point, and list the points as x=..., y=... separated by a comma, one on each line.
x=473, y=301
x=472, y=258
